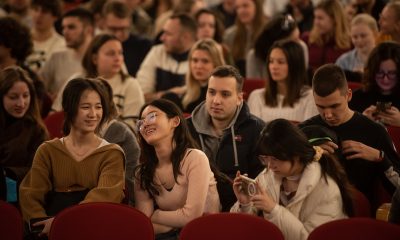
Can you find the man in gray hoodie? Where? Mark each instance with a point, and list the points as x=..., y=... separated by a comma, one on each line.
x=226, y=131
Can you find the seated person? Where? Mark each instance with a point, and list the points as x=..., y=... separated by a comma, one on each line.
x=367, y=150
x=78, y=168
x=300, y=187
x=174, y=183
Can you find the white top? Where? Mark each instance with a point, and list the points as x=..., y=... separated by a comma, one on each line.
x=302, y=110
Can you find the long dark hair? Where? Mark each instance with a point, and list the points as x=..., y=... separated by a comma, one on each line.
x=382, y=52
x=297, y=75
x=284, y=141
x=181, y=140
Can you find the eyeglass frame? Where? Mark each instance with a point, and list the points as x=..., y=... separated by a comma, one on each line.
x=149, y=118
x=392, y=75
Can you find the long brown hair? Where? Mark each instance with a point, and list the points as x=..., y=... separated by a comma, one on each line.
x=240, y=39
x=8, y=77
x=341, y=28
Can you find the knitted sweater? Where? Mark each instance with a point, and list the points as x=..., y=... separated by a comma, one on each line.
x=55, y=169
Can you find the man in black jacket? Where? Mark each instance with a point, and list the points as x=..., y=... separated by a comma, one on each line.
x=366, y=149
x=226, y=131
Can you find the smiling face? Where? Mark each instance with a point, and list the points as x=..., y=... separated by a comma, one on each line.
x=363, y=38
x=155, y=127
x=109, y=59
x=90, y=112
x=17, y=100
x=387, y=77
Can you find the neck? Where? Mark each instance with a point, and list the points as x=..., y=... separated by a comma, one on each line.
x=163, y=152
x=79, y=138
x=42, y=36
x=282, y=88
x=219, y=126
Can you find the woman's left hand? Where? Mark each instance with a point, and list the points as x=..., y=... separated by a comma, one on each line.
x=262, y=200
x=47, y=225
x=390, y=117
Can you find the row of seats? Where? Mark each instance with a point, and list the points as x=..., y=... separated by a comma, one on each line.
x=119, y=222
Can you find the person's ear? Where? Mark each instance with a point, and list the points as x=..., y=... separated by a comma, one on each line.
x=349, y=94
x=176, y=121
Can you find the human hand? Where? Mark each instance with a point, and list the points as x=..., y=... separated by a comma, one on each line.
x=329, y=147
x=262, y=200
x=353, y=149
x=47, y=225
x=243, y=198
x=390, y=117
x=370, y=112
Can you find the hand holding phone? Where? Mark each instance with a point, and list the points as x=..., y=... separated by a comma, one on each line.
x=382, y=106
x=248, y=185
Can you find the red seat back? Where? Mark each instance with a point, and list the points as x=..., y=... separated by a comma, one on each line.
x=356, y=228
x=230, y=226
x=250, y=84
x=394, y=133
x=54, y=123
x=10, y=222
x=101, y=221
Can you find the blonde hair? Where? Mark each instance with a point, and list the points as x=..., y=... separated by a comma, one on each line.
x=341, y=32
x=240, y=39
x=217, y=58
x=366, y=19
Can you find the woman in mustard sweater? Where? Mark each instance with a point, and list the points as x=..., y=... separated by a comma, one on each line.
x=81, y=166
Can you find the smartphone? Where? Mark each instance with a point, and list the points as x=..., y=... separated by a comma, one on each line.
x=36, y=229
x=248, y=185
x=383, y=106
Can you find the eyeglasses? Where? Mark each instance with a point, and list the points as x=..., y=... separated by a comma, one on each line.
x=392, y=75
x=149, y=119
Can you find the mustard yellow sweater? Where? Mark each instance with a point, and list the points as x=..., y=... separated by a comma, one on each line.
x=54, y=168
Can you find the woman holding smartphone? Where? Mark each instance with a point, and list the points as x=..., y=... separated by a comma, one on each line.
x=379, y=98
x=300, y=188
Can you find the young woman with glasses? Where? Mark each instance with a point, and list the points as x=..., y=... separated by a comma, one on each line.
x=379, y=99
x=174, y=183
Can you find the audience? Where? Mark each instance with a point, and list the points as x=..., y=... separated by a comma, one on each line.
x=286, y=94
x=302, y=12
x=78, y=168
x=78, y=30
x=226, y=11
x=19, y=10
x=330, y=36
x=164, y=68
x=117, y=21
x=174, y=181
x=380, y=84
x=300, y=187
x=104, y=58
x=364, y=31
x=45, y=38
x=226, y=131
x=367, y=152
x=142, y=24
x=22, y=128
x=240, y=37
